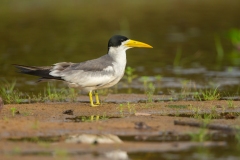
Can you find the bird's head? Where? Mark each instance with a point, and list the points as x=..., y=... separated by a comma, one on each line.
x=123, y=43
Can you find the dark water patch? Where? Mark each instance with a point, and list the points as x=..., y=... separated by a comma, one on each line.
x=209, y=114
x=231, y=151
x=175, y=137
x=163, y=137
x=90, y=118
x=142, y=126
x=236, y=98
x=225, y=128
x=178, y=106
x=46, y=139
x=68, y=112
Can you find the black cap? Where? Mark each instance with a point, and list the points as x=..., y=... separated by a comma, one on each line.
x=116, y=41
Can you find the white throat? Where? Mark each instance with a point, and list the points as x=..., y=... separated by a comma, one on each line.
x=118, y=55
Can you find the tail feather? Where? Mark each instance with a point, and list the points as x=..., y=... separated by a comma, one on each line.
x=42, y=72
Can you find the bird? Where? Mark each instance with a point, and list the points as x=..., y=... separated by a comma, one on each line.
x=91, y=75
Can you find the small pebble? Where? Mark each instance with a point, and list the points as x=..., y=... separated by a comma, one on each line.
x=17, y=112
x=68, y=112
x=141, y=125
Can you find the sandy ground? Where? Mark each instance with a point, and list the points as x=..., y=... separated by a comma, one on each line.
x=137, y=120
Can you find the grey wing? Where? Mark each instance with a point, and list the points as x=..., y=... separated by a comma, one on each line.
x=95, y=72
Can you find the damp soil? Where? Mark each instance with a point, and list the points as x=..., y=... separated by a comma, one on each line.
x=40, y=129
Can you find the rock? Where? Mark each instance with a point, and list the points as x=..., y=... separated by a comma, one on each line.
x=141, y=125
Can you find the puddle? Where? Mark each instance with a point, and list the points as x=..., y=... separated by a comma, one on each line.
x=231, y=152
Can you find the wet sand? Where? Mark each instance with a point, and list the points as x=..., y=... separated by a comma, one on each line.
x=137, y=120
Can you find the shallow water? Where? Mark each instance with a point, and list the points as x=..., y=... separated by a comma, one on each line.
x=229, y=151
x=190, y=38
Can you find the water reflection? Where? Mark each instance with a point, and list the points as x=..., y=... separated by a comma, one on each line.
x=115, y=154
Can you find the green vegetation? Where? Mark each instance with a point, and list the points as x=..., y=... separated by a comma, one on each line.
x=8, y=92
x=149, y=87
x=210, y=94
x=202, y=135
x=207, y=95
x=196, y=111
x=234, y=35
x=129, y=76
x=120, y=108
x=150, y=92
x=13, y=111
x=230, y=104
x=130, y=108
x=51, y=93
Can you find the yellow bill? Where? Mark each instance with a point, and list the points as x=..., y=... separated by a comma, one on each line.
x=132, y=43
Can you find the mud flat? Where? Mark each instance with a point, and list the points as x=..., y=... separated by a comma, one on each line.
x=117, y=129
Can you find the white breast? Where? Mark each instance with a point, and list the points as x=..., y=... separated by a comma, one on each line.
x=119, y=64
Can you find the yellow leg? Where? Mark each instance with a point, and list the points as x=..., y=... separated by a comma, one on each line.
x=91, y=100
x=97, y=98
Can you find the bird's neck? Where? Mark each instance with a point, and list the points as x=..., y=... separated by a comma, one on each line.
x=118, y=55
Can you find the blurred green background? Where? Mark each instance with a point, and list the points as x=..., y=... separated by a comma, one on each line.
x=184, y=33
